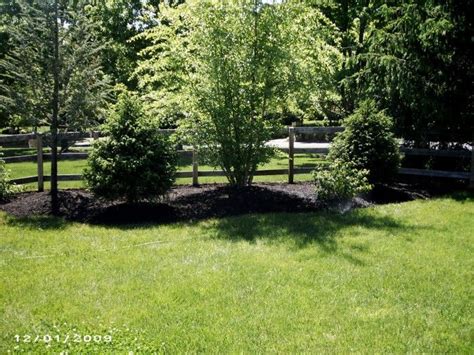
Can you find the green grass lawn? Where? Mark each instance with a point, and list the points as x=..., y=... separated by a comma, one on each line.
x=280, y=161
x=393, y=278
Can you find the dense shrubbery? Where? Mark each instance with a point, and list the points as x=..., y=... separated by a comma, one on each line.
x=133, y=162
x=368, y=143
x=6, y=189
x=340, y=181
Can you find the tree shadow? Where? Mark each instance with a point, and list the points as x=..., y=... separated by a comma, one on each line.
x=37, y=222
x=462, y=196
x=129, y=216
x=265, y=210
x=304, y=230
x=193, y=204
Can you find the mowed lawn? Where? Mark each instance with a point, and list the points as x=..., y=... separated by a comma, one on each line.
x=393, y=278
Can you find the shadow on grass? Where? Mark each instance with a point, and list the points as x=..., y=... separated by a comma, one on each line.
x=267, y=211
x=38, y=222
x=308, y=229
x=463, y=196
x=129, y=216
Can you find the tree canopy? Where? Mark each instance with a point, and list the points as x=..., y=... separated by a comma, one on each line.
x=28, y=66
x=222, y=68
x=413, y=57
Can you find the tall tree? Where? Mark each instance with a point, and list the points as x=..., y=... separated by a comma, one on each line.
x=409, y=66
x=414, y=57
x=352, y=18
x=226, y=65
x=52, y=73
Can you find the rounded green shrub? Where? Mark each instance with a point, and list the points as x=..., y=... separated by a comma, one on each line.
x=340, y=181
x=133, y=162
x=368, y=143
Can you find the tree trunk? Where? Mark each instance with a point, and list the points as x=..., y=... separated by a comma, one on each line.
x=54, y=119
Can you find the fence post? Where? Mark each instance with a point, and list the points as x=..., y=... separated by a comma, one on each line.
x=471, y=180
x=39, y=161
x=195, y=168
x=291, y=153
x=95, y=135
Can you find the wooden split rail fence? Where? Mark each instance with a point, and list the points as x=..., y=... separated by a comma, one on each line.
x=291, y=171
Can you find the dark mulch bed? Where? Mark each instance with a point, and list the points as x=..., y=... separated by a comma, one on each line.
x=187, y=203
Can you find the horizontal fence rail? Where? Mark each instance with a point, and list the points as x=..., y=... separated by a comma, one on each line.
x=179, y=174
x=16, y=138
x=297, y=150
x=19, y=138
x=39, y=140
x=315, y=130
x=435, y=173
x=436, y=152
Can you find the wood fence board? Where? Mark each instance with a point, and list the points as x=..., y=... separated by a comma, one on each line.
x=184, y=174
x=210, y=173
x=39, y=162
x=68, y=156
x=306, y=150
x=65, y=177
x=271, y=172
x=434, y=173
x=291, y=154
x=14, y=138
x=291, y=150
x=19, y=158
x=310, y=130
x=436, y=152
x=24, y=180
x=304, y=170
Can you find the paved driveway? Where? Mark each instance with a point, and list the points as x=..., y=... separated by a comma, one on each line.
x=283, y=144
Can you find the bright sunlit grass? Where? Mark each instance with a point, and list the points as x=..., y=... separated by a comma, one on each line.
x=393, y=278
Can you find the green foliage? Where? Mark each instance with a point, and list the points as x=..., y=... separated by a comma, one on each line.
x=28, y=67
x=316, y=59
x=368, y=143
x=134, y=161
x=118, y=22
x=6, y=189
x=404, y=64
x=340, y=181
x=414, y=58
x=224, y=67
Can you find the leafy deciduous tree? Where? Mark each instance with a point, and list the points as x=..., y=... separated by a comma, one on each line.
x=225, y=65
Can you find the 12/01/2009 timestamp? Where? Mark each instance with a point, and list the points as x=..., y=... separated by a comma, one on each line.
x=62, y=338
